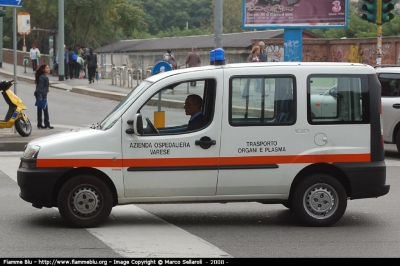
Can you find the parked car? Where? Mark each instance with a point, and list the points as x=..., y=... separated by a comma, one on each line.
x=324, y=104
x=389, y=77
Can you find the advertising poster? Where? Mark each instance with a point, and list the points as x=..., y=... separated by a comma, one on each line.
x=295, y=13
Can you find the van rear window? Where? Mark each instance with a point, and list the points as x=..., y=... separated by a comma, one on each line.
x=262, y=100
x=334, y=99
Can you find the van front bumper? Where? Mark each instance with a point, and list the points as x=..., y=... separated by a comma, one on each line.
x=38, y=185
x=367, y=180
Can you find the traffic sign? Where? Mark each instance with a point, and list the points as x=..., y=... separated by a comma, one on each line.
x=161, y=66
x=14, y=3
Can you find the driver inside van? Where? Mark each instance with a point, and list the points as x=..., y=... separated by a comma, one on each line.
x=192, y=107
x=197, y=120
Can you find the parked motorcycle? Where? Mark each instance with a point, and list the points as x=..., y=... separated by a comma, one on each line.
x=14, y=116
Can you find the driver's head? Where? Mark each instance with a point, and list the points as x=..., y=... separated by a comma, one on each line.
x=192, y=104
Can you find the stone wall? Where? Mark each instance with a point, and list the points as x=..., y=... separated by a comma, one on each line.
x=8, y=57
x=314, y=50
x=340, y=50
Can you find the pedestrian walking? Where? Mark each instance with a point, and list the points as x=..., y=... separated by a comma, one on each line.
x=170, y=59
x=72, y=56
x=263, y=54
x=34, y=54
x=193, y=60
x=253, y=57
x=91, y=63
x=66, y=61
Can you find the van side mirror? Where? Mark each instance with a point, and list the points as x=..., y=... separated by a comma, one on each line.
x=138, y=125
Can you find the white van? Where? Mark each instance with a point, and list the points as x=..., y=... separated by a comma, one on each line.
x=389, y=77
x=259, y=142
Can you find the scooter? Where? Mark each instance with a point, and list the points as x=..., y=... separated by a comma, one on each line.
x=14, y=116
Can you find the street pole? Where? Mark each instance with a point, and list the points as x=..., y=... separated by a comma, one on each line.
x=379, y=33
x=218, y=24
x=15, y=47
x=61, y=61
x=1, y=39
x=15, y=53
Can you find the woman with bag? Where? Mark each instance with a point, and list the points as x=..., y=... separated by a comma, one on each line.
x=42, y=88
x=34, y=54
x=253, y=57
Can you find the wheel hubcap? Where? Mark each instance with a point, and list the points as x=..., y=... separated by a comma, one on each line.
x=321, y=201
x=85, y=201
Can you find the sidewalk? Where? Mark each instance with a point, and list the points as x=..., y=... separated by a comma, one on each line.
x=10, y=140
x=102, y=88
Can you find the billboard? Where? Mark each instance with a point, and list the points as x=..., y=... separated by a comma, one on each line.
x=261, y=14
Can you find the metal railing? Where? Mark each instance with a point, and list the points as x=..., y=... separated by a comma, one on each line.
x=125, y=76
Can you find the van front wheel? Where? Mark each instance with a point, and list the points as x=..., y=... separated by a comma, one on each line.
x=319, y=200
x=84, y=201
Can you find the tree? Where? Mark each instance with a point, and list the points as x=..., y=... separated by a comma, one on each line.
x=38, y=10
x=231, y=17
x=124, y=16
x=161, y=15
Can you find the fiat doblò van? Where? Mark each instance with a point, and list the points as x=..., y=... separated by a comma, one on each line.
x=260, y=140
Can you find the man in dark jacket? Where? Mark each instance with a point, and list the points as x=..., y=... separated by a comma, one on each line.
x=71, y=63
x=193, y=60
x=91, y=62
x=263, y=54
x=192, y=107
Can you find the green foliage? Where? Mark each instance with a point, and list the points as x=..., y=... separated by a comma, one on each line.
x=95, y=23
x=232, y=17
x=161, y=15
x=177, y=32
x=7, y=41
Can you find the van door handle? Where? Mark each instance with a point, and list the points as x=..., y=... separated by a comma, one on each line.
x=396, y=105
x=205, y=142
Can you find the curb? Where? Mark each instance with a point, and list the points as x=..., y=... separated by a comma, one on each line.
x=100, y=94
x=13, y=145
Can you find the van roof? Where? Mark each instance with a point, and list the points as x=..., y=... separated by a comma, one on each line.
x=367, y=68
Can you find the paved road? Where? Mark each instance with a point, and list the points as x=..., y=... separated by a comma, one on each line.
x=11, y=141
x=368, y=229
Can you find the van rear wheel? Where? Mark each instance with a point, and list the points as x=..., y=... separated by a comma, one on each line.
x=84, y=201
x=319, y=200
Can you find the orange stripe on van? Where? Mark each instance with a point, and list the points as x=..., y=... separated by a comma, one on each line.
x=51, y=163
x=214, y=161
x=328, y=158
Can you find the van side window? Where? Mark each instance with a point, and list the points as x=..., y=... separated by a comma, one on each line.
x=390, y=83
x=265, y=100
x=165, y=112
x=338, y=99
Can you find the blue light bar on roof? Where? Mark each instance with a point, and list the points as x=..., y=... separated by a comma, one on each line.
x=212, y=57
x=219, y=56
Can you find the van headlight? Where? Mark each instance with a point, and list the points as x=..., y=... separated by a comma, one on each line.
x=31, y=152
x=28, y=159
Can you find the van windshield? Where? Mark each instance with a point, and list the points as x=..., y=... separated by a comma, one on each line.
x=115, y=114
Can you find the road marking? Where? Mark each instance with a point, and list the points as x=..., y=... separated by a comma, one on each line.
x=137, y=233
x=390, y=162
x=133, y=232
